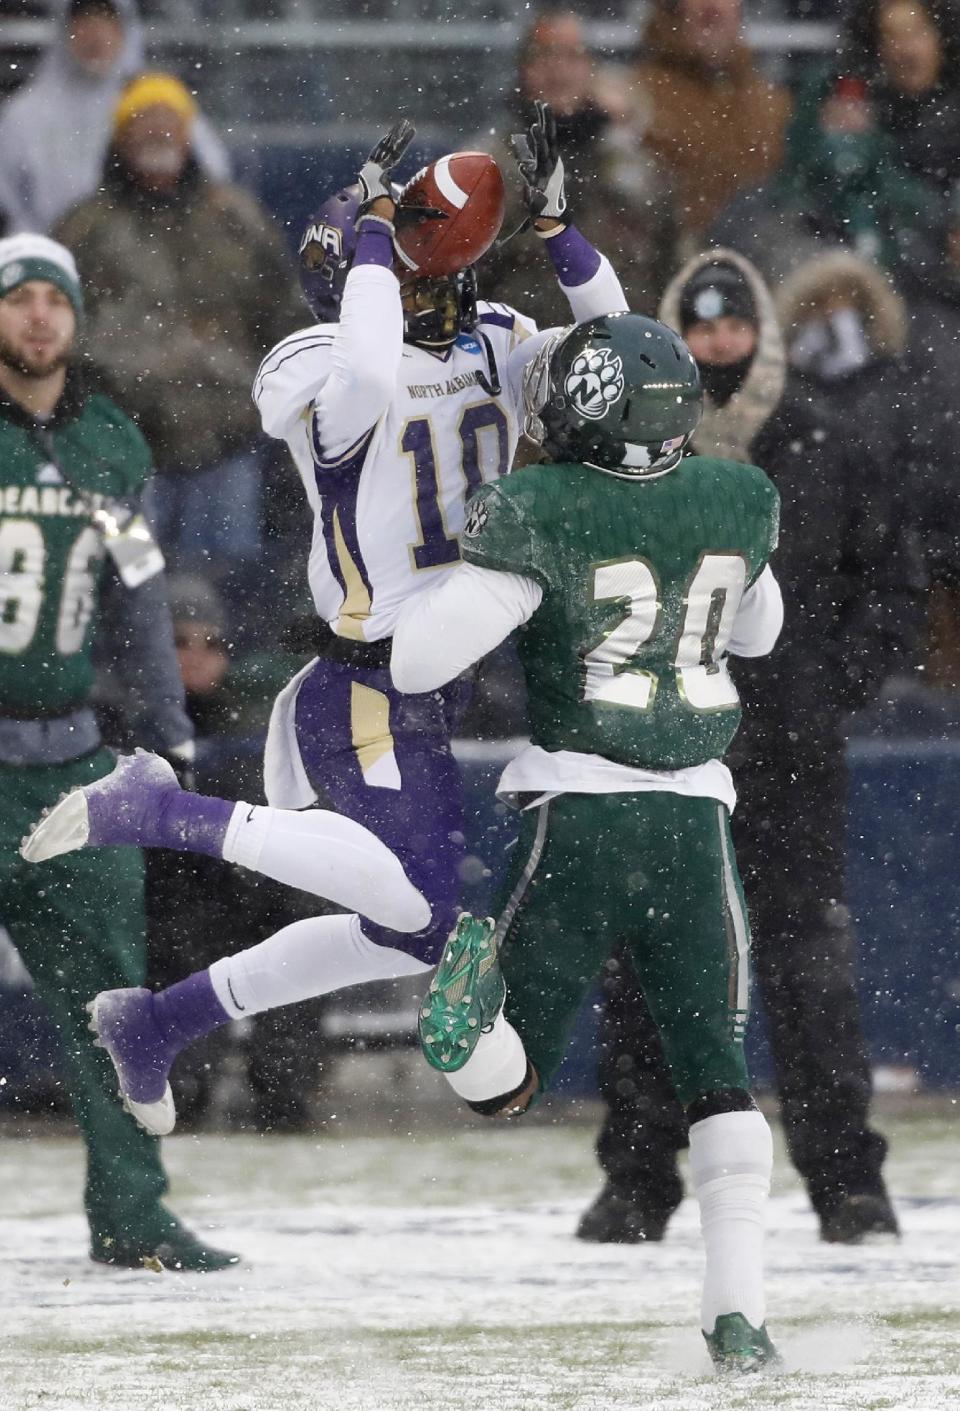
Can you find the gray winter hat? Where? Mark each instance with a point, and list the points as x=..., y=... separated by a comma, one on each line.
x=194, y=598
x=25, y=257
x=716, y=290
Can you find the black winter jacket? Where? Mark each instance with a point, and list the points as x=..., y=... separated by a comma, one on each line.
x=848, y=563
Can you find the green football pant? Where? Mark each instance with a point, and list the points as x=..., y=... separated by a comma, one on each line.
x=656, y=872
x=78, y=923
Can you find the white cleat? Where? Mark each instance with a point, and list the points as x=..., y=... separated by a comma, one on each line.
x=63, y=828
x=158, y=1118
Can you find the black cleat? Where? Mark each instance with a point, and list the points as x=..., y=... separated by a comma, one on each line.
x=178, y=1250
x=617, y=1219
x=859, y=1217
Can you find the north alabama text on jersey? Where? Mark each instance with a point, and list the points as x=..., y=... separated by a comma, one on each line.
x=444, y=389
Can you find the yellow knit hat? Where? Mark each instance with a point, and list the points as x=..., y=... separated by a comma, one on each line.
x=151, y=90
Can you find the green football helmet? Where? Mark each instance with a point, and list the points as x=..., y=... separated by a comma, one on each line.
x=620, y=393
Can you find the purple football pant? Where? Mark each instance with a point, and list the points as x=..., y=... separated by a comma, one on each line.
x=343, y=730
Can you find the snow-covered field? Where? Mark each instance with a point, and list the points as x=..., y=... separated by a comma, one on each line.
x=430, y=1266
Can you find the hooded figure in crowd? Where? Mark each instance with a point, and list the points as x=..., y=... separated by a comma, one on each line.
x=55, y=131
x=847, y=565
x=878, y=360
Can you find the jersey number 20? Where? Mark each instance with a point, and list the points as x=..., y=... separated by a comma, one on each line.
x=711, y=599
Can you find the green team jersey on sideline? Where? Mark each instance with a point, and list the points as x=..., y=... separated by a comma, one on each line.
x=641, y=582
x=51, y=554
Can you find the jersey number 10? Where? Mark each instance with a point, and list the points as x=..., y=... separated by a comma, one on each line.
x=437, y=544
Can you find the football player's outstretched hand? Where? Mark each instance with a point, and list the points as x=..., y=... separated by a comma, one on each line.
x=374, y=177
x=541, y=167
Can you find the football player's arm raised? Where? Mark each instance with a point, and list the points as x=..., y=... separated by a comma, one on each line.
x=366, y=352
x=586, y=276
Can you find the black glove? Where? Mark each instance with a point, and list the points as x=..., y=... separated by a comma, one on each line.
x=374, y=176
x=541, y=167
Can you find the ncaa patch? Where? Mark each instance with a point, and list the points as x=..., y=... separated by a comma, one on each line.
x=476, y=519
x=594, y=382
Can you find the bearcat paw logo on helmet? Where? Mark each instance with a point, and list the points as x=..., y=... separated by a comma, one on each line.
x=594, y=382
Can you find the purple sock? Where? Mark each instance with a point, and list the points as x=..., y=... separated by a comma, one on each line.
x=188, y=1010
x=193, y=823
x=574, y=258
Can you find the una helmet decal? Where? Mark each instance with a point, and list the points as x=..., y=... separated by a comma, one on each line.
x=594, y=382
x=328, y=237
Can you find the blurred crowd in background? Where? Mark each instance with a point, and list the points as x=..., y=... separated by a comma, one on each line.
x=831, y=162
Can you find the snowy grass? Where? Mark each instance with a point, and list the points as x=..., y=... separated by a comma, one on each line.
x=436, y=1270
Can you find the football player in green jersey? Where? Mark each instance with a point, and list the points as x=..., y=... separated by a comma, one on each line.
x=633, y=571
x=76, y=560
x=851, y=574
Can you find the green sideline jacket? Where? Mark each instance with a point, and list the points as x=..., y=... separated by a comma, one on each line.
x=58, y=585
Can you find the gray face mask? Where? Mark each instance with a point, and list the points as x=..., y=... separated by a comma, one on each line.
x=536, y=386
x=831, y=347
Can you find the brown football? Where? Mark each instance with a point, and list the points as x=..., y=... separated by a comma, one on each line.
x=450, y=213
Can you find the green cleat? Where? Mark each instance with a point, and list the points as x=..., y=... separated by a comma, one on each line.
x=466, y=994
x=737, y=1349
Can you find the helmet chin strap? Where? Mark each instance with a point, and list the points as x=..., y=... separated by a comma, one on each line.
x=491, y=384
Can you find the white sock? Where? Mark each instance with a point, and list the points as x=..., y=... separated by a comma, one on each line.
x=731, y=1160
x=331, y=856
x=498, y=1065
x=308, y=958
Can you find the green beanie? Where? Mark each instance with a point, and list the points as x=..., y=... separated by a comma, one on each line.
x=25, y=257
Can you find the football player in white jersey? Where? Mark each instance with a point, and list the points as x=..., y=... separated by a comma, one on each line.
x=396, y=406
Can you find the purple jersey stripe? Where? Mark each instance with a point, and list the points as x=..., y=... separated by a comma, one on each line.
x=349, y=456
x=498, y=320
x=339, y=484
